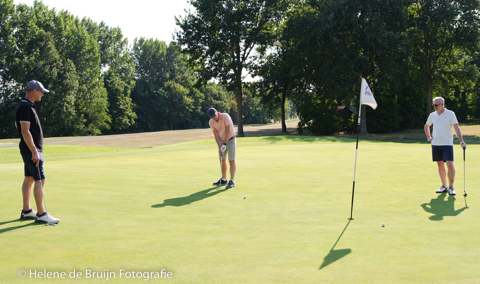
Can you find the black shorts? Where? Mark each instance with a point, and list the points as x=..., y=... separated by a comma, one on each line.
x=442, y=153
x=30, y=167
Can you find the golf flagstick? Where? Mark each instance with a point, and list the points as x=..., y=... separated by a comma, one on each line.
x=366, y=98
x=355, y=168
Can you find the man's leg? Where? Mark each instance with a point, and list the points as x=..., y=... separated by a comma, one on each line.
x=442, y=172
x=233, y=169
x=451, y=173
x=27, y=192
x=224, y=168
x=232, y=149
x=37, y=192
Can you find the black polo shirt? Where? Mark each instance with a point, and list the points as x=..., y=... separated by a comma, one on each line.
x=27, y=112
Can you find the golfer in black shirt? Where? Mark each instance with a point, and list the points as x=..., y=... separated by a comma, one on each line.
x=31, y=148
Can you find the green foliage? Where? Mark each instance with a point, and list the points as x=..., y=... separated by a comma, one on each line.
x=437, y=28
x=118, y=77
x=317, y=114
x=305, y=56
x=218, y=97
x=253, y=111
x=220, y=36
x=56, y=49
x=456, y=84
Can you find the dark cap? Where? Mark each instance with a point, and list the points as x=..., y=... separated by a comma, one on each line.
x=211, y=112
x=35, y=85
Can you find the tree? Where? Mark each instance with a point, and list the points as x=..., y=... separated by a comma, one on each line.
x=7, y=41
x=276, y=80
x=118, y=76
x=437, y=27
x=150, y=65
x=380, y=42
x=335, y=44
x=163, y=91
x=216, y=96
x=36, y=57
x=220, y=37
x=456, y=84
x=276, y=66
x=7, y=90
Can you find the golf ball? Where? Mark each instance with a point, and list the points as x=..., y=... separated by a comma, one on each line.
x=245, y=197
x=383, y=224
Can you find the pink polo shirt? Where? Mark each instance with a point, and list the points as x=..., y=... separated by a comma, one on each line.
x=223, y=120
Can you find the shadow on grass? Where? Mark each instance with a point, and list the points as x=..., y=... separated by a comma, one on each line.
x=308, y=139
x=440, y=207
x=30, y=223
x=197, y=196
x=334, y=254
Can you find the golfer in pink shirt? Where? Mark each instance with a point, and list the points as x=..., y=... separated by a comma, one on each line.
x=224, y=132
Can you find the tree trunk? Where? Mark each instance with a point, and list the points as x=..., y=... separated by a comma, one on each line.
x=284, y=98
x=240, y=111
x=429, y=96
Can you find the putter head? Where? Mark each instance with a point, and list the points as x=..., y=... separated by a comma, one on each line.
x=50, y=224
x=465, y=194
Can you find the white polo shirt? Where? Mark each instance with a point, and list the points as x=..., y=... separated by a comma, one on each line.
x=442, y=127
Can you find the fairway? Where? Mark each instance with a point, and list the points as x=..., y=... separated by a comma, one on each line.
x=126, y=211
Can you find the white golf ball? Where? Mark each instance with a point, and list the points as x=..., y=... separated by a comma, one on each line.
x=383, y=224
x=245, y=197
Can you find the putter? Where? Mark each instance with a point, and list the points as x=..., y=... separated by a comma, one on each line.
x=464, y=192
x=44, y=202
x=221, y=171
x=221, y=175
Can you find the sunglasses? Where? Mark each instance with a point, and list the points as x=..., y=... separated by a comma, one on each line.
x=436, y=105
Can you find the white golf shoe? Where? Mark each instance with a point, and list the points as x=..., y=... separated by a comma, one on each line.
x=451, y=191
x=442, y=189
x=30, y=214
x=46, y=218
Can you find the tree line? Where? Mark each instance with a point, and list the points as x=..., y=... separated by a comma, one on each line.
x=307, y=56
x=99, y=84
x=315, y=52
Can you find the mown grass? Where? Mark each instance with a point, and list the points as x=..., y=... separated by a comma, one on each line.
x=155, y=208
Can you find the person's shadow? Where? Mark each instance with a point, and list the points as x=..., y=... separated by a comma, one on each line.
x=194, y=197
x=440, y=207
x=25, y=223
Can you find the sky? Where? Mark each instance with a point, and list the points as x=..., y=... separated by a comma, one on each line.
x=137, y=18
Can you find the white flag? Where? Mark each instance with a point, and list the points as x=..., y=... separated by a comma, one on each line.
x=366, y=96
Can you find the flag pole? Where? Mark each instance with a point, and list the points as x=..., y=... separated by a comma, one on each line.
x=356, y=152
x=366, y=98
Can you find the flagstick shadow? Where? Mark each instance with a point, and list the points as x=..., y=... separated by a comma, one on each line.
x=335, y=255
x=194, y=197
x=441, y=208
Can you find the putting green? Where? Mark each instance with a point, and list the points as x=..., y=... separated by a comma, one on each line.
x=137, y=212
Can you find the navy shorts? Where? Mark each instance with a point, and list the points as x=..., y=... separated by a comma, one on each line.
x=30, y=168
x=442, y=153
